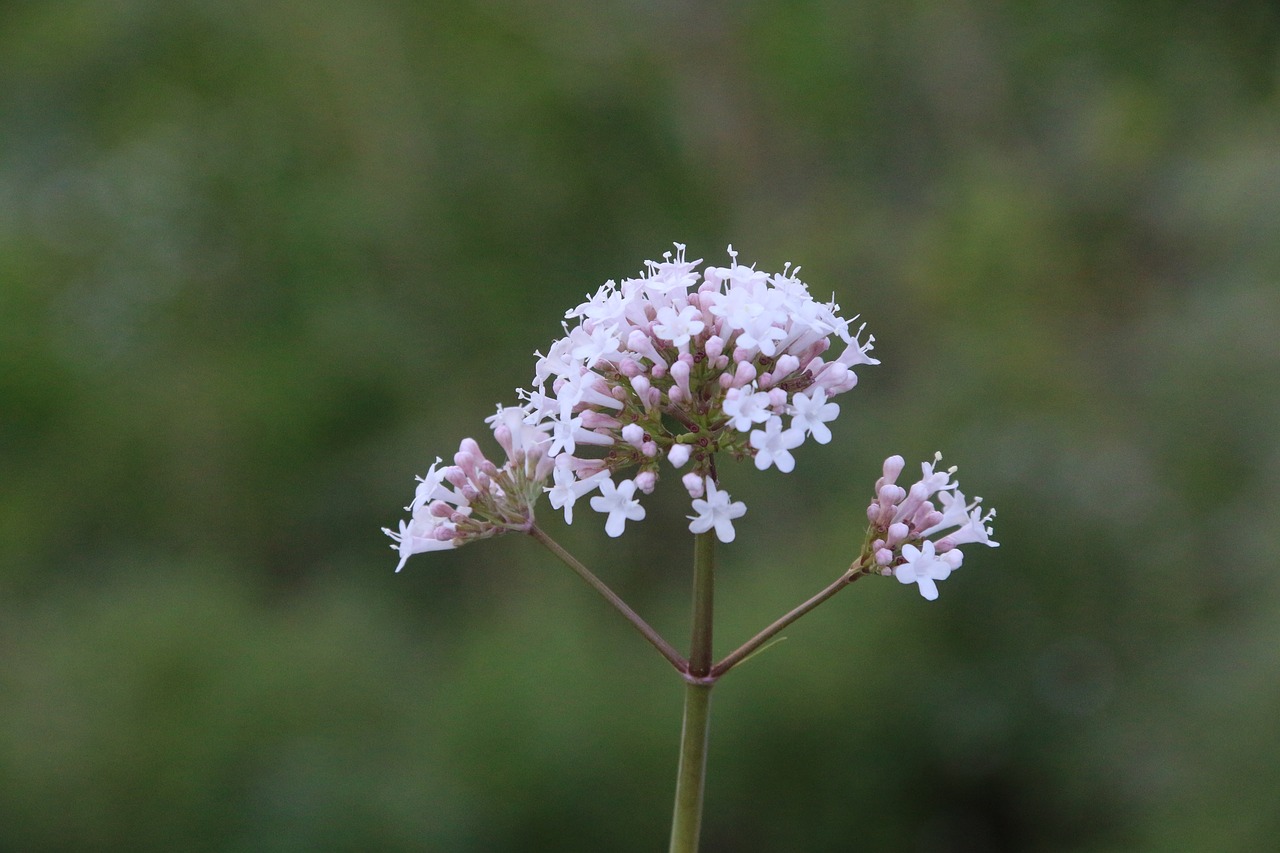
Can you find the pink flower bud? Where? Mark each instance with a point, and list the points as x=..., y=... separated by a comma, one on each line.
x=592, y=419
x=892, y=468
x=897, y=533
x=680, y=373
x=649, y=449
x=693, y=484
x=645, y=481
x=714, y=346
x=503, y=435
x=884, y=556
x=787, y=364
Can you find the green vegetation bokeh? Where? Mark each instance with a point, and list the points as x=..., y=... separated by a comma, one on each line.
x=260, y=262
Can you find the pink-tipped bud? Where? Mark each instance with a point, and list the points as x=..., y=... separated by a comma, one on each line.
x=503, y=435
x=835, y=378
x=743, y=374
x=693, y=484
x=678, y=455
x=725, y=380
x=645, y=481
x=884, y=556
x=677, y=395
x=680, y=373
x=891, y=495
x=714, y=346
x=777, y=398
x=787, y=364
x=649, y=449
x=897, y=532
x=742, y=354
x=892, y=468
x=765, y=380
x=591, y=419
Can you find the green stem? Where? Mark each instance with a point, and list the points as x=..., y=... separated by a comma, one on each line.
x=744, y=651
x=646, y=630
x=686, y=822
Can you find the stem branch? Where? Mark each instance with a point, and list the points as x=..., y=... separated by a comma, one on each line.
x=646, y=630
x=742, y=652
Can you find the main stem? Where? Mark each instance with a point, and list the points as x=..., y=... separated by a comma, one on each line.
x=691, y=779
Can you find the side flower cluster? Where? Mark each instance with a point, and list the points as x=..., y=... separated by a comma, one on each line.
x=473, y=498
x=679, y=365
x=915, y=540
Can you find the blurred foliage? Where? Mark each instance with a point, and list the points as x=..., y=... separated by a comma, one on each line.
x=261, y=262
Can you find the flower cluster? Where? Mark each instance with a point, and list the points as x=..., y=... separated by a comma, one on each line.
x=675, y=367
x=473, y=498
x=678, y=365
x=909, y=537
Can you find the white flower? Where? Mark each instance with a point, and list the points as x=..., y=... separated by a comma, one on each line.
x=922, y=567
x=419, y=536
x=746, y=409
x=812, y=412
x=774, y=445
x=568, y=488
x=678, y=327
x=589, y=347
x=620, y=504
x=429, y=487
x=716, y=511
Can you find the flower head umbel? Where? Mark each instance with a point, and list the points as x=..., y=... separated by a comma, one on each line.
x=911, y=538
x=473, y=498
x=680, y=364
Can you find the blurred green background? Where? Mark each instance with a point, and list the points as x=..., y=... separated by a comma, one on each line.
x=260, y=262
